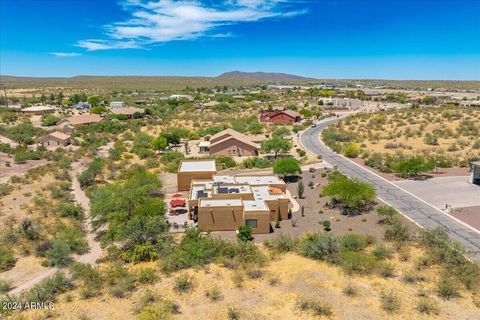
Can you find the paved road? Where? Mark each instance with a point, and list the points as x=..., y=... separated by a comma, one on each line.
x=422, y=213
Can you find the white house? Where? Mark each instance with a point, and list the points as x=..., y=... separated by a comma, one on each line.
x=116, y=104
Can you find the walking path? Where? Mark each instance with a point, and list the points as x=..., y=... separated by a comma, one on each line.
x=95, y=250
x=412, y=207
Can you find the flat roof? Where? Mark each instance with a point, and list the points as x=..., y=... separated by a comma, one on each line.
x=263, y=193
x=223, y=179
x=255, y=206
x=232, y=189
x=259, y=180
x=195, y=189
x=221, y=203
x=198, y=166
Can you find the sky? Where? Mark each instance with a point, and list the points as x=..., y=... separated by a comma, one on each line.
x=343, y=39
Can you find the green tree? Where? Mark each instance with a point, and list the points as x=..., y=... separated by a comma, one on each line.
x=352, y=193
x=50, y=120
x=351, y=150
x=59, y=254
x=281, y=132
x=412, y=166
x=255, y=127
x=159, y=143
x=276, y=145
x=94, y=100
x=244, y=233
x=306, y=113
x=286, y=166
x=98, y=110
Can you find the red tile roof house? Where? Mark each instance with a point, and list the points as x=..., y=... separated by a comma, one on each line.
x=282, y=116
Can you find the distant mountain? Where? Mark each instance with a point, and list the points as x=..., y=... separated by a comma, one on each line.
x=263, y=76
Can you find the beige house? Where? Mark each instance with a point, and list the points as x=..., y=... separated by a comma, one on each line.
x=39, y=110
x=225, y=202
x=128, y=111
x=232, y=143
x=193, y=170
x=56, y=138
x=82, y=119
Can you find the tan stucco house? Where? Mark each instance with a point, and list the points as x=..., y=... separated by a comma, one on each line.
x=225, y=202
x=189, y=170
x=232, y=143
x=56, y=138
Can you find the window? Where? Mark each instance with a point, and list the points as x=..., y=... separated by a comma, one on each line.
x=251, y=222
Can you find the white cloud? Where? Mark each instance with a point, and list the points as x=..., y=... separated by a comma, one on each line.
x=66, y=54
x=159, y=21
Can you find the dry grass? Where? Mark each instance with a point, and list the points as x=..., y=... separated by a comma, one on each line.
x=301, y=278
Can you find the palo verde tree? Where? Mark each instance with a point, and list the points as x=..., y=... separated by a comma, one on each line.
x=351, y=193
x=413, y=167
x=276, y=145
x=286, y=167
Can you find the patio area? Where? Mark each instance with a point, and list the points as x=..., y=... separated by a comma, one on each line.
x=177, y=212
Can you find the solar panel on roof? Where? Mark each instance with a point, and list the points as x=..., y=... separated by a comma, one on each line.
x=222, y=190
x=201, y=194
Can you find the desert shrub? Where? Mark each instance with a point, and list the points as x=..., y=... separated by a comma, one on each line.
x=397, y=232
x=123, y=286
x=386, y=270
x=351, y=150
x=350, y=290
x=386, y=213
x=59, y=254
x=164, y=310
x=254, y=273
x=430, y=139
x=147, y=275
x=5, y=189
x=94, y=168
x=319, y=246
x=5, y=285
x=74, y=238
x=214, y=294
x=390, y=302
x=356, y=262
x=225, y=162
x=50, y=120
x=24, y=133
x=412, y=277
x=183, y=283
x=447, y=287
x=257, y=162
x=42, y=248
x=237, y=279
x=89, y=276
x=352, y=242
x=427, y=306
x=233, y=313
x=381, y=252
x=274, y=280
x=48, y=289
x=7, y=258
x=196, y=249
x=318, y=308
x=72, y=210
x=244, y=233
x=282, y=243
